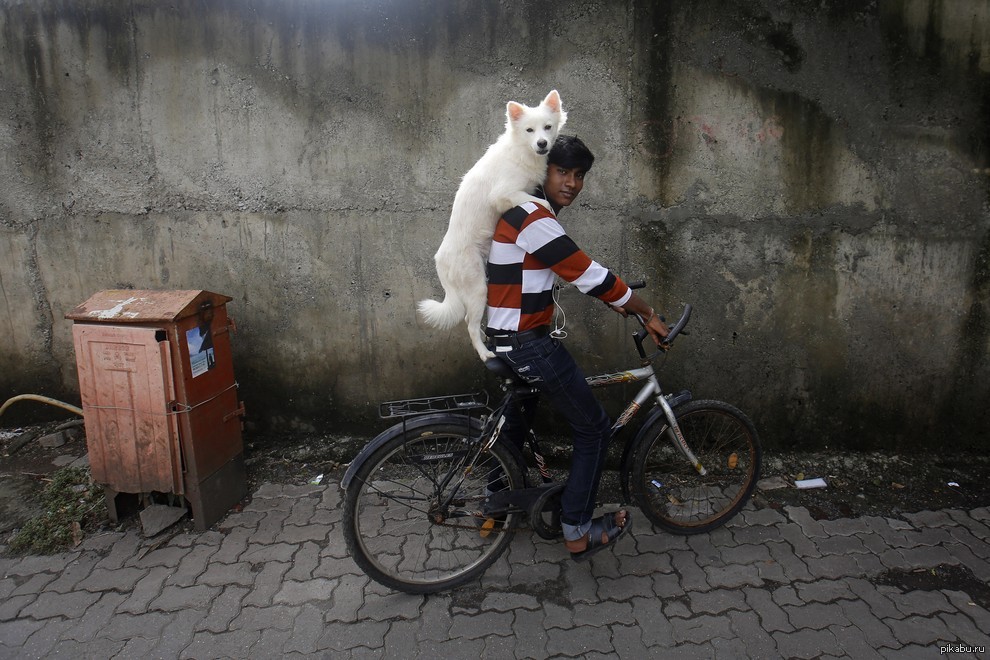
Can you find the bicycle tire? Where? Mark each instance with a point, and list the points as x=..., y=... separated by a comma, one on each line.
x=388, y=505
x=672, y=493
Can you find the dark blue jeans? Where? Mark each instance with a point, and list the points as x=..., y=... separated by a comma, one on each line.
x=547, y=365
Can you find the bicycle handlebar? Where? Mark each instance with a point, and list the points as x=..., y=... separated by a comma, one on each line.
x=642, y=333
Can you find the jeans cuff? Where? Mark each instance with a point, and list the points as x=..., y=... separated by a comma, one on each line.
x=575, y=532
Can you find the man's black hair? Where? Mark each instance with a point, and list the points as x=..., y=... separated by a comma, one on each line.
x=569, y=152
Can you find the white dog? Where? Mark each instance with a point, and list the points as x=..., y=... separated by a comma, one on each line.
x=500, y=180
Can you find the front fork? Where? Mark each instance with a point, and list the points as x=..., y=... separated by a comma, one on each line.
x=678, y=436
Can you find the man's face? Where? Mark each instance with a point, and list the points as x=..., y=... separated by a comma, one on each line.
x=562, y=185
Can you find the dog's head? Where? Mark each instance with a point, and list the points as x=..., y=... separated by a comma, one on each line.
x=536, y=127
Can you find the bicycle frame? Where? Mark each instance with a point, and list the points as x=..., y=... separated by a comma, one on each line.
x=651, y=390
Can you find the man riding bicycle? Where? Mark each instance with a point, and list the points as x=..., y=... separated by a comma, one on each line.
x=529, y=250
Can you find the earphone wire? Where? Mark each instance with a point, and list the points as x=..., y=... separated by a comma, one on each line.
x=559, y=316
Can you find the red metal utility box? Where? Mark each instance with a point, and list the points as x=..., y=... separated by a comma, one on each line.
x=159, y=399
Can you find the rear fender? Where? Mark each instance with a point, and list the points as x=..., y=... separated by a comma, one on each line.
x=475, y=424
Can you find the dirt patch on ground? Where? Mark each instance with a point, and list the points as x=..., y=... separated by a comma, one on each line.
x=874, y=483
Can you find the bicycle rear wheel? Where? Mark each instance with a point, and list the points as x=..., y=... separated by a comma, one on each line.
x=672, y=493
x=413, y=514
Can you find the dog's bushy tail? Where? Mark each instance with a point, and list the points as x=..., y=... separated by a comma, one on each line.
x=443, y=315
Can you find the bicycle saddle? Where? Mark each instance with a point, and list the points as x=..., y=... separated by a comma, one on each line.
x=500, y=368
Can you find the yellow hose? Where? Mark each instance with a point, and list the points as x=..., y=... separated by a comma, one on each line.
x=42, y=399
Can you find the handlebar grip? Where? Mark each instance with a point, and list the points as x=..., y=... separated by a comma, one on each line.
x=637, y=284
x=681, y=322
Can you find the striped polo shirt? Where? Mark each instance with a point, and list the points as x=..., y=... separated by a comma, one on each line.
x=529, y=247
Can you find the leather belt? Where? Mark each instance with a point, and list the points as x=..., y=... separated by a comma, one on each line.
x=506, y=340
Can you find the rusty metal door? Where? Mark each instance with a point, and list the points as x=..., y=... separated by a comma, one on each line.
x=126, y=386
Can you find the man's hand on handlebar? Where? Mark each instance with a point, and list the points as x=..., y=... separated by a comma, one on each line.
x=647, y=317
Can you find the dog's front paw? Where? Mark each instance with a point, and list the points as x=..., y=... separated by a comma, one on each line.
x=485, y=355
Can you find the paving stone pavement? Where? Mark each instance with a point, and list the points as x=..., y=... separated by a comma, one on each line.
x=275, y=580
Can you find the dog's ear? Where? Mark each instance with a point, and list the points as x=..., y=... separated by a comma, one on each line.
x=552, y=101
x=514, y=110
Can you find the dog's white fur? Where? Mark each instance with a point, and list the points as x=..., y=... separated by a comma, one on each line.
x=515, y=164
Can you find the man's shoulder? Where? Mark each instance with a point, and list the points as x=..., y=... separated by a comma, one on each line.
x=518, y=216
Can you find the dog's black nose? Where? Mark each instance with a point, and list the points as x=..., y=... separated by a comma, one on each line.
x=542, y=144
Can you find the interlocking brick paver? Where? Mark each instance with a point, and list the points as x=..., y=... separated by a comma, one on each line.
x=733, y=576
x=92, y=622
x=841, y=545
x=677, y=608
x=625, y=587
x=276, y=580
x=962, y=628
x=832, y=566
x=804, y=547
x=964, y=603
x=70, y=576
x=41, y=642
x=748, y=629
x=772, y=617
x=807, y=643
x=474, y=626
x=792, y=566
x=823, y=591
x=717, y=601
x=768, y=517
x=701, y=628
x=531, y=634
x=72, y=605
x=348, y=598
x=10, y=607
x=173, y=599
x=34, y=584
x=693, y=577
x=318, y=590
x=176, y=635
x=398, y=606
x=224, y=609
x=980, y=548
x=118, y=579
x=919, y=629
x=579, y=641
x=930, y=519
x=434, y=621
x=339, y=637
x=877, y=598
x=236, y=643
x=192, y=565
x=854, y=643
x=845, y=526
x=875, y=631
x=605, y=613
x=924, y=603
x=14, y=633
x=816, y=616
x=628, y=642
x=640, y=564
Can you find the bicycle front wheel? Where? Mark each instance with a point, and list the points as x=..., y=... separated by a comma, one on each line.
x=413, y=513
x=668, y=488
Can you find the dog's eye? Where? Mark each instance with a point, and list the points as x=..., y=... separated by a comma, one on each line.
x=547, y=127
x=529, y=130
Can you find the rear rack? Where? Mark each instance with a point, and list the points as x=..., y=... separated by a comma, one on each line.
x=410, y=407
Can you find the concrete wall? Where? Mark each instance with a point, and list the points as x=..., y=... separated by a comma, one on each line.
x=812, y=176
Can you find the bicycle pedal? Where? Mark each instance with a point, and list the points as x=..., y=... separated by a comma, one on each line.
x=487, y=527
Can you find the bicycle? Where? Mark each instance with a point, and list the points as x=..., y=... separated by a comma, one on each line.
x=434, y=500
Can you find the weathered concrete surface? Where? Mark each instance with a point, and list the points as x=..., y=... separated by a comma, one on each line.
x=812, y=176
